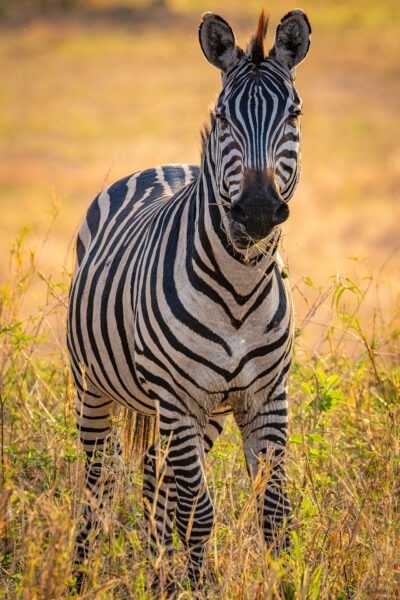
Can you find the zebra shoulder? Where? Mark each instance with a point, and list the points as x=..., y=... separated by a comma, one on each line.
x=152, y=184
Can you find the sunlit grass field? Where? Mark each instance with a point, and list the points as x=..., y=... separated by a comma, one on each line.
x=92, y=94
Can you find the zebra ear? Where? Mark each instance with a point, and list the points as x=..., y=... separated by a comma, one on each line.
x=218, y=42
x=292, y=39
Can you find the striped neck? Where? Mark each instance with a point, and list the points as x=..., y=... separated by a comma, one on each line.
x=211, y=236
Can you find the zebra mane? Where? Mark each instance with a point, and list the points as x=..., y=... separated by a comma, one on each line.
x=205, y=133
x=255, y=49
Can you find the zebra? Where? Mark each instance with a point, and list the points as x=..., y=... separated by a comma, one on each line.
x=179, y=308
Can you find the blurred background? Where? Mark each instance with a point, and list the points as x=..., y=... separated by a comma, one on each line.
x=92, y=90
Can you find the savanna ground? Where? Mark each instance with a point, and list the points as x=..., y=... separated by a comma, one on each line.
x=95, y=92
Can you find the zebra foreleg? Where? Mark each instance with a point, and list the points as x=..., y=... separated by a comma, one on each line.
x=213, y=430
x=159, y=499
x=264, y=440
x=197, y=529
x=194, y=510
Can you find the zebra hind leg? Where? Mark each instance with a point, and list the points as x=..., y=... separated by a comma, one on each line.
x=94, y=426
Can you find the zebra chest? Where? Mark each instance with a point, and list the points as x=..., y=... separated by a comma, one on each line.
x=205, y=361
x=202, y=344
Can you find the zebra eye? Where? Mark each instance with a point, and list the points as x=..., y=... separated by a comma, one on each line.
x=222, y=120
x=293, y=117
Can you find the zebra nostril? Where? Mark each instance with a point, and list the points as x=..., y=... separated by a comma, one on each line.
x=281, y=213
x=238, y=214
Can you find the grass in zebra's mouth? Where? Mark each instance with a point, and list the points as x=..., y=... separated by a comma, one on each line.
x=242, y=242
x=254, y=249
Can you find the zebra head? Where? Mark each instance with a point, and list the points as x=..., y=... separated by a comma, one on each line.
x=255, y=133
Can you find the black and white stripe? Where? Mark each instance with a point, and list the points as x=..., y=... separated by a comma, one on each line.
x=177, y=305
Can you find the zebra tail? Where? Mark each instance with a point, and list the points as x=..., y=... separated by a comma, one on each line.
x=138, y=434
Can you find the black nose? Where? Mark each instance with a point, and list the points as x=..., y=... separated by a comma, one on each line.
x=278, y=211
x=260, y=206
x=238, y=214
x=280, y=214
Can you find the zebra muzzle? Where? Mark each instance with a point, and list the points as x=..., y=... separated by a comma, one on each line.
x=259, y=208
